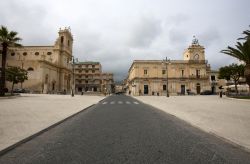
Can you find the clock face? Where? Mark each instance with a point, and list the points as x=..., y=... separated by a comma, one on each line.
x=196, y=57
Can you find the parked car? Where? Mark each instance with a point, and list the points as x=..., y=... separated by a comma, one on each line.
x=119, y=93
x=206, y=92
x=20, y=90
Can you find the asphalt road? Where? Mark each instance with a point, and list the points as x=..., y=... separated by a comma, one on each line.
x=121, y=129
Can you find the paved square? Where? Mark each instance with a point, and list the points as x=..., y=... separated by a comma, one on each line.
x=227, y=118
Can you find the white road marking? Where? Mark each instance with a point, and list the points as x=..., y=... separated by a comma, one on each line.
x=135, y=102
x=112, y=102
x=120, y=102
x=127, y=102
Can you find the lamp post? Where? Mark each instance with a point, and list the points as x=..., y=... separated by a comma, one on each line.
x=73, y=76
x=167, y=61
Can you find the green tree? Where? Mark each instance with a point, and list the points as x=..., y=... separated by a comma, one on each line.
x=16, y=75
x=7, y=38
x=242, y=52
x=233, y=72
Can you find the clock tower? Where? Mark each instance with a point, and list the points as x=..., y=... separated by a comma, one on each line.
x=194, y=51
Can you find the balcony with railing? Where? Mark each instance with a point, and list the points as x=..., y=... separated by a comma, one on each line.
x=198, y=76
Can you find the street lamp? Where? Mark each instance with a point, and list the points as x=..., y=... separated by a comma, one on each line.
x=167, y=61
x=73, y=76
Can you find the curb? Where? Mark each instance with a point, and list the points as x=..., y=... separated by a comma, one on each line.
x=229, y=98
x=6, y=150
x=10, y=97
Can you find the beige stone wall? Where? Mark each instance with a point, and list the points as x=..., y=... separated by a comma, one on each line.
x=150, y=76
x=49, y=67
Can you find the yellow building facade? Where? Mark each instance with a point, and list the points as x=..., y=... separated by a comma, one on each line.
x=49, y=67
x=154, y=77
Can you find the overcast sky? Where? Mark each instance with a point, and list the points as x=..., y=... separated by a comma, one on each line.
x=116, y=32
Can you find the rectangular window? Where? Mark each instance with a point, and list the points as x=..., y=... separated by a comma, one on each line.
x=212, y=77
x=198, y=73
x=163, y=72
x=145, y=72
x=164, y=87
x=182, y=73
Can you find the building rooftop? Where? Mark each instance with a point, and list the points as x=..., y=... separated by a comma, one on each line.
x=88, y=62
x=171, y=61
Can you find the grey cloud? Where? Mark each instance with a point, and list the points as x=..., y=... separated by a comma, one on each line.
x=28, y=21
x=210, y=36
x=117, y=32
x=144, y=32
x=177, y=37
x=178, y=19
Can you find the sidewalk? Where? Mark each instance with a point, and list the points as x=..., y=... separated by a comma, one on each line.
x=227, y=118
x=21, y=117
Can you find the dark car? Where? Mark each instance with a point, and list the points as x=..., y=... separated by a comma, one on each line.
x=119, y=93
x=19, y=90
x=206, y=92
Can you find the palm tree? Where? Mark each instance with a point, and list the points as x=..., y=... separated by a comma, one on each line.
x=242, y=52
x=247, y=33
x=7, y=38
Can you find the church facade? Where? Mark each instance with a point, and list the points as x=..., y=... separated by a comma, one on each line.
x=49, y=67
x=174, y=77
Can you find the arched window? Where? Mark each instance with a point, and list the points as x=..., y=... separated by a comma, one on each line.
x=49, y=53
x=12, y=54
x=30, y=69
x=36, y=53
x=25, y=53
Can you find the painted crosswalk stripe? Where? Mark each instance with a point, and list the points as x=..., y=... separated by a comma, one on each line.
x=120, y=102
x=112, y=102
x=136, y=102
x=127, y=102
x=105, y=102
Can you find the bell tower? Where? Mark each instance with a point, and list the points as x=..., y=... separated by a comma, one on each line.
x=195, y=51
x=63, y=55
x=65, y=40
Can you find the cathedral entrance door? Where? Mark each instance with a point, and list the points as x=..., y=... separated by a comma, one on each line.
x=198, y=88
x=145, y=89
